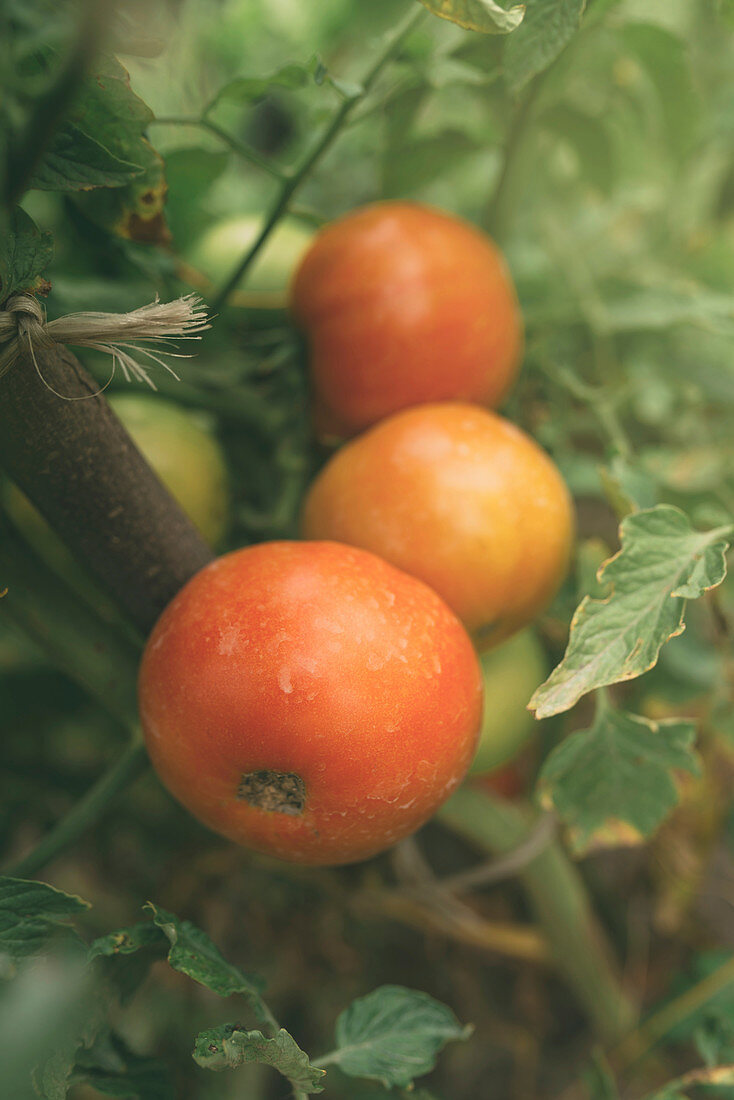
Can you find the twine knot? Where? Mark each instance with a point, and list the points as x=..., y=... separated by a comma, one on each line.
x=29, y=318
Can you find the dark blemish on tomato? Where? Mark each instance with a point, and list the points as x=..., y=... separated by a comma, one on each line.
x=276, y=792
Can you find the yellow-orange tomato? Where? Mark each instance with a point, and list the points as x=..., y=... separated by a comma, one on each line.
x=404, y=304
x=460, y=498
x=310, y=701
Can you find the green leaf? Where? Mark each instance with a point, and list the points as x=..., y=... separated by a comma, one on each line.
x=193, y=953
x=128, y=940
x=663, y=562
x=110, y=111
x=548, y=27
x=589, y=140
x=85, y=1008
x=145, y=941
x=31, y=913
x=248, y=89
x=229, y=1046
x=664, y=59
x=478, y=15
x=627, y=487
x=25, y=253
x=190, y=174
x=612, y=783
x=74, y=161
x=111, y=1069
x=424, y=160
x=393, y=1035
x=52, y=1079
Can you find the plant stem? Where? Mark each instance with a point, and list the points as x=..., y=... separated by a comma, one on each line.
x=87, y=811
x=560, y=900
x=75, y=639
x=538, y=838
x=294, y=180
x=599, y=401
x=237, y=146
x=636, y=1045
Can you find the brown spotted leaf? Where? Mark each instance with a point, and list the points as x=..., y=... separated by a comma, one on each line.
x=117, y=118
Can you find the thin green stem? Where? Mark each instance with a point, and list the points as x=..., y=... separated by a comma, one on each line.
x=560, y=901
x=237, y=146
x=636, y=1045
x=601, y=403
x=91, y=651
x=87, y=811
x=294, y=180
x=499, y=210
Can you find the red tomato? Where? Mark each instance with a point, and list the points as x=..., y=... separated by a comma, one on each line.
x=404, y=304
x=309, y=700
x=460, y=498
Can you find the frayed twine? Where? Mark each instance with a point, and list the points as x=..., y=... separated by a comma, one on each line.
x=23, y=327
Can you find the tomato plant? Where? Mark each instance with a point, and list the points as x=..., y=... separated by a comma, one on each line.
x=459, y=497
x=309, y=700
x=489, y=243
x=403, y=304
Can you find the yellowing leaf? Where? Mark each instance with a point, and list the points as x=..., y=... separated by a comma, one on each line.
x=478, y=15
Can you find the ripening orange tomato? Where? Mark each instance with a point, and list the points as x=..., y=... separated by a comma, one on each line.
x=459, y=497
x=310, y=701
x=403, y=304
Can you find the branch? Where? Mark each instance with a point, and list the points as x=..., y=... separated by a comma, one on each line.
x=312, y=158
x=73, y=638
x=87, y=811
x=560, y=900
x=237, y=146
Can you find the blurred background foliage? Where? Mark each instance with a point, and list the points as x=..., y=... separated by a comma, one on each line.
x=608, y=179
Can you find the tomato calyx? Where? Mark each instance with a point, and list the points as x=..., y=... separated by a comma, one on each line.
x=277, y=792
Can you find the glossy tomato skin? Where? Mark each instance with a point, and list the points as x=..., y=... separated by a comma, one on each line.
x=459, y=497
x=341, y=691
x=404, y=304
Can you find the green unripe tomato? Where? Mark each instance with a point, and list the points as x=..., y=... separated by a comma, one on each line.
x=511, y=674
x=180, y=448
x=219, y=249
